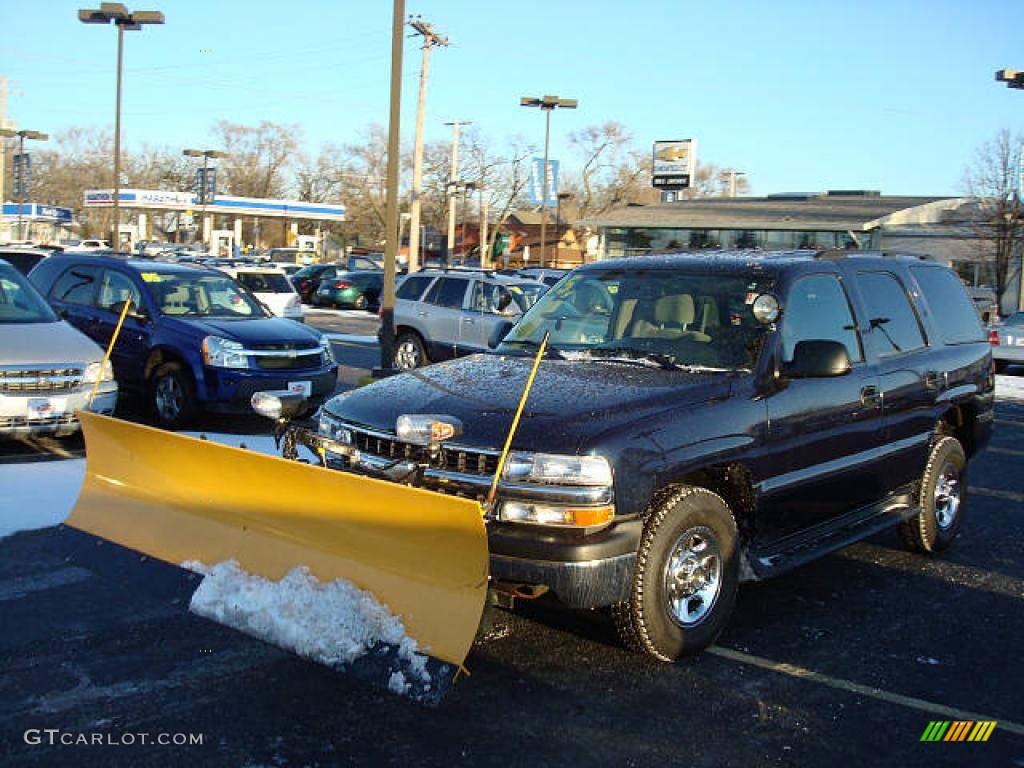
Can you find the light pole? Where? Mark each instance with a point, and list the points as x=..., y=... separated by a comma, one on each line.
x=1014, y=78
x=124, y=20
x=22, y=187
x=558, y=222
x=207, y=155
x=548, y=105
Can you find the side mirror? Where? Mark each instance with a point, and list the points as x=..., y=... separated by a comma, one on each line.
x=135, y=311
x=818, y=358
x=499, y=333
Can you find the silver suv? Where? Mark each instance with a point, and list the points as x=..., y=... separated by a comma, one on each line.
x=441, y=314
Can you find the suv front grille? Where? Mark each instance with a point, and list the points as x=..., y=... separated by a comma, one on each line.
x=39, y=380
x=279, y=357
x=451, y=459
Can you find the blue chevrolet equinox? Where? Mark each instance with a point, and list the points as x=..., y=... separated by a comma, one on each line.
x=193, y=339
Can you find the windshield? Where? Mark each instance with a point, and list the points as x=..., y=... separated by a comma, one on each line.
x=196, y=295
x=19, y=301
x=672, y=319
x=265, y=282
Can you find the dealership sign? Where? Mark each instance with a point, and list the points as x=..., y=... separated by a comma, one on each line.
x=675, y=163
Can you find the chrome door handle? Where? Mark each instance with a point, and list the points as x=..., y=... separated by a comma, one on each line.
x=870, y=396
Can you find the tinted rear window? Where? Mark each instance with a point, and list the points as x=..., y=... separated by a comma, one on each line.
x=412, y=287
x=895, y=327
x=265, y=282
x=954, y=313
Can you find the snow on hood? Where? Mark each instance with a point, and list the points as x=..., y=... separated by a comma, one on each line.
x=333, y=623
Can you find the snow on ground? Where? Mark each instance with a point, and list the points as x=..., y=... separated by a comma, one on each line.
x=38, y=495
x=333, y=623
x=1009, y=387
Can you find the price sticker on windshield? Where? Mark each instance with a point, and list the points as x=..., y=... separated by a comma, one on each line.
x=150, y=277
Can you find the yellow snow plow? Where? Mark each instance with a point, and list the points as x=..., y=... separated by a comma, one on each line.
x=423, y=555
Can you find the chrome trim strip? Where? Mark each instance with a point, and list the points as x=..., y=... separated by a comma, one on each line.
x=807, y=474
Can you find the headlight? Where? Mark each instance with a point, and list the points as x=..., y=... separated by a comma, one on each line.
x=328, y=351
x=98, y=370
x=331, y=426
x=423, y=429
x=558, y=470
x=224, y=353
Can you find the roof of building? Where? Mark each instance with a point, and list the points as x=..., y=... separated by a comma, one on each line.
x=829, y=211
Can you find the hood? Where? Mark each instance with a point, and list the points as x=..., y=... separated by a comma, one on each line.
x=264, y=330
x=45, y=344
x=571, y=404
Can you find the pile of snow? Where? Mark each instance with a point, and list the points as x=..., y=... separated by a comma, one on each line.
x=333, y=623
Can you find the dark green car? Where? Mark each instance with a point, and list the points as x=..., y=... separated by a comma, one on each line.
x=359, y=289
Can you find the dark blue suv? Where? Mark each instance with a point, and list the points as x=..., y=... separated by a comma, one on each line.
x=192, y=339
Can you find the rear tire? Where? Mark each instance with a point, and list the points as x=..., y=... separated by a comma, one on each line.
x=410, y=352
x=942, y=499
x=172, y=396
x=686, y=577
x=361, y=302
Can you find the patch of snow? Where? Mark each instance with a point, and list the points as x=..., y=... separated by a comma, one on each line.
x=1009, y=387
x=38, y=495
x=333, y=623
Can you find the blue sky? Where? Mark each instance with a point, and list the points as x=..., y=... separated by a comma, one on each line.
x=893, y=95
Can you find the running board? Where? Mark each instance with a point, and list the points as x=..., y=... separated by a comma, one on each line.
x=794, y=551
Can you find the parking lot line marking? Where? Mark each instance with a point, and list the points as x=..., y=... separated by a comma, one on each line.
x=1006, y=451
x=849, y=686
x=996, y=493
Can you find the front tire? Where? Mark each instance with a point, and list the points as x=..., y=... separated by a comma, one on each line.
x=172, y=395
x=410, y=352
x=686, y=577
x=942, y=499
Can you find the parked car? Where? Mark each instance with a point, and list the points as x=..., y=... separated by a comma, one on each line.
x=48, y=370
x=696, y=421
x=359, y=290
x=23, y=259
x=294, y=255
x=193, y=339
x=289, y=268
x=307, y=279
x=1007, y=340
x=91, y=245
x=546, y=275
x=441, y=314
x=369, y=262
x=271, y=286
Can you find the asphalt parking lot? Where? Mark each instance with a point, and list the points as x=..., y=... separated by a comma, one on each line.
x=846, y=660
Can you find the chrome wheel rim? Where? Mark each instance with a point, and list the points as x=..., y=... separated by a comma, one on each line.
x=407, y=356
x=946, y=499
x=170, y=398
x=693, y=576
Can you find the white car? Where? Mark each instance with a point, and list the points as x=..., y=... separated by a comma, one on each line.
x=271, y=286
x=48, y=370
x=1007, y=340
x=92, y=245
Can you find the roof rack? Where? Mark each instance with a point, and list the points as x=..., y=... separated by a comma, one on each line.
x=833, y=254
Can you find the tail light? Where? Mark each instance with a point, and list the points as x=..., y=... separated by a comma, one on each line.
x=341, y=285
x=993, y=338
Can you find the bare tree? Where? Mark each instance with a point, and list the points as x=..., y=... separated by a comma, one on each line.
x=613, y=171
x=258, y=157
x=993, y=180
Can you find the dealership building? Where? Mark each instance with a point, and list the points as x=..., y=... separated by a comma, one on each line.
x=941, y=228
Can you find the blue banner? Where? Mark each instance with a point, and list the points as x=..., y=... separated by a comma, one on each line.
x=536, y=185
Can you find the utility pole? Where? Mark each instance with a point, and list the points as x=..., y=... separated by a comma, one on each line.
x=3, y=146
x=430, y=38
x=732, y=174
x=452, y=179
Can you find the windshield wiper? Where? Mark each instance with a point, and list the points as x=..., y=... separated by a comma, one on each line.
x=639, y=357
x=549, y=351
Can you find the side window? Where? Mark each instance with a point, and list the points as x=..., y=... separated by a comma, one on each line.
x=817, y=308
x=77, y=286
x=115, y=288
x=412, y=287
x=952, y=310
x=450, y=292
x=895, y=327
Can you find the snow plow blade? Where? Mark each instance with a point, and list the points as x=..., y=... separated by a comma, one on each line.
x=421, y=554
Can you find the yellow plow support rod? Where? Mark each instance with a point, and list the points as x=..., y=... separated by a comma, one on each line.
x=421, y=554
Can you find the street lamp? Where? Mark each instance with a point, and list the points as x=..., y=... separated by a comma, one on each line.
x=1014, y=78
x=124, y=20
x=207, y=155
x=22, y=135
x=548, y=105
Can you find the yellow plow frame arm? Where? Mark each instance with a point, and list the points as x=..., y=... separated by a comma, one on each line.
x=420, y=553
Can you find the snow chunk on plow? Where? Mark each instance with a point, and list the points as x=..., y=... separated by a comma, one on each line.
x=333, y=623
